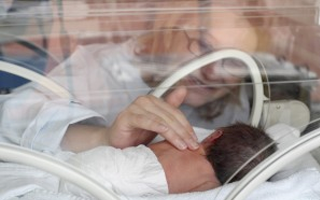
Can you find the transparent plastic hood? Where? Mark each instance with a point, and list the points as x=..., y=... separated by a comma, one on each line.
x=65, y=63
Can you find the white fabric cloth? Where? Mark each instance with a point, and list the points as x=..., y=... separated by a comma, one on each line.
x=102, y=80
x=42, y=126
x=134, y=171
x=17, y=180
x=303, y=185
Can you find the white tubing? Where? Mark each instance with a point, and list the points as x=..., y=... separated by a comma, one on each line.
x=198, y=63
x=13, y=153
x=274, y=163
x=35, y=77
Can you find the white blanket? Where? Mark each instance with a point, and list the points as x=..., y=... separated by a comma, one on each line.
x=303, y=185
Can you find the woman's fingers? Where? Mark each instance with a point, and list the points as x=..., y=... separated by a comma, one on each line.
x=175, y=99
x=177, y=96
x=150, y=121
x=175, y=114
x=157, y=124
x=175, y=128
x=177, y=122
x=147, y=121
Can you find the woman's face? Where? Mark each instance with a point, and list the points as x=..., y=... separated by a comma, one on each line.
x=227, y=30
x=217, y=79
x=220, y=78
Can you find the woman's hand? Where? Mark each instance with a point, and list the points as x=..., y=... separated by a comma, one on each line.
x=138, y=124
x=148, y=116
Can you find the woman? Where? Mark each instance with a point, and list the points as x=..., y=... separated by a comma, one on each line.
x=213, y=90
x=109, y=78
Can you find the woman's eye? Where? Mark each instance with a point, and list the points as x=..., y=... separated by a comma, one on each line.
x=205, y=47
x=195, y=48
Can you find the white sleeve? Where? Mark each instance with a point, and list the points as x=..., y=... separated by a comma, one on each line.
x=35, y=118
x=32, y=121
x=46, y=131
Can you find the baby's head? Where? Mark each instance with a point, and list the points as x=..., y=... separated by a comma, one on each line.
x=228, y=148
x=219, y=156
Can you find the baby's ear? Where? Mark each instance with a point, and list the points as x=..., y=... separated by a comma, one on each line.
x=214, y=136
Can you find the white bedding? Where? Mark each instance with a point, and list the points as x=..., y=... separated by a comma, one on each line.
x=303, y=185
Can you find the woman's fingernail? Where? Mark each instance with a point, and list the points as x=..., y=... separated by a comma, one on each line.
x=194, y=145
x=194, y=137
x=181, y=145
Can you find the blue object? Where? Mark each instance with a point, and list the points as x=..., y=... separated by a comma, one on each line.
x=10, y=81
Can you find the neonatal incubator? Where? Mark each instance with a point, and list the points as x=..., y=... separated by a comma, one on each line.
x=83, y=62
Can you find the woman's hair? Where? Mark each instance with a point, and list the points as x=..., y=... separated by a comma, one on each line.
x=238, y=144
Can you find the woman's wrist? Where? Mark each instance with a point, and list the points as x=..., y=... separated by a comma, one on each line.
x=84, y=137
x=105, y=136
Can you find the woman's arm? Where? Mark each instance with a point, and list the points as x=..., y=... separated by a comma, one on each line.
x=138, y=124
x=80, y=137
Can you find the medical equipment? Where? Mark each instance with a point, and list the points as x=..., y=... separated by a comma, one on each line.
x=264, y=111
x=31, y=159
x=258, y=98
x=41, y=161
x=121, y=21
x=35, y=77
x=12, y=153
x=267, y=168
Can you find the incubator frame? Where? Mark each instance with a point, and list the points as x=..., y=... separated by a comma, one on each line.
x=24, y=156
x=13, y=153
x=35, y=77
x=257, y=176
x=275, y=162
x=258, y=98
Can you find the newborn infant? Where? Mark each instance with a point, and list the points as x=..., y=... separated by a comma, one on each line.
x=156, y=169
x=160, y=168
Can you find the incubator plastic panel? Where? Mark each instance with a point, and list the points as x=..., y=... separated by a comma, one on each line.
x=255, y=62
